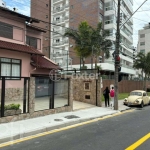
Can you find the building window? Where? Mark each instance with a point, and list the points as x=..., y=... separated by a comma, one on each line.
x=86, y=86
x=72, y=6
x=46, y=16
x=142, y=43
x=6, y=30
x=142, y=35
x=142, y=51
x=101, y=17
x=101, y=5
x=57, y=40
x=31, y=41
x=46, y=5
x=58, y=18
x=10, y=67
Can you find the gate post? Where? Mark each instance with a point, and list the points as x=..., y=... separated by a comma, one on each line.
x=3, y=97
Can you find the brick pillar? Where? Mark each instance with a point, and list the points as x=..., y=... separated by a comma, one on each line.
x=99, y=93
x=31, y=94
x=71, y=93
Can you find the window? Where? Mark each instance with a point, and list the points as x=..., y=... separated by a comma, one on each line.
x=58, y=8
x=46, y=5
x=142, y=43
x=142, y=35
x=101, y=17
x=6, y=30
x=101, y=5
x=58, y=18
x=142, y=51
x=72, y=6
x=86, y=86
x=10, y=67
x=31, y=41
x=46, y=16
x=57, y=40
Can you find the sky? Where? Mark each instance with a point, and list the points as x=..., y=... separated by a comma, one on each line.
x=140, y=18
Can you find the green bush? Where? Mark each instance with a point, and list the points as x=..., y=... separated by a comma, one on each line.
x=11, y=106
x=84, y=67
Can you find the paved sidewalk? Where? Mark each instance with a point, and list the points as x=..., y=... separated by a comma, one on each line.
x=19, y=129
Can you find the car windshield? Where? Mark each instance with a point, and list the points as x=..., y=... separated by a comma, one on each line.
x=136, y=93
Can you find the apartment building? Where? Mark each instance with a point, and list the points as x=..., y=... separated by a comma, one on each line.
x=41, y=10
x=69, y=13
x=143, y=39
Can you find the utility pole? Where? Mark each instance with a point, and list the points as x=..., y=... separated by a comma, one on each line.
x=117, y=58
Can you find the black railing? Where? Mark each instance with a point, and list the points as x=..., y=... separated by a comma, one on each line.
x=22, y=97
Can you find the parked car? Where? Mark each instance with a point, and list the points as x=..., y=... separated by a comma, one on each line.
x=137, y=97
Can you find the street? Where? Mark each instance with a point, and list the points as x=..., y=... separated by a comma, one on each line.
x=115, y=133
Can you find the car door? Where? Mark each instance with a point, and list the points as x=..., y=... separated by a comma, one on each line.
x=145, y=98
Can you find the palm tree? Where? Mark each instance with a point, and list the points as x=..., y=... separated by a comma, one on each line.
x=143, y=62
x=100, y=42
x=89, y=40
x=81, y=38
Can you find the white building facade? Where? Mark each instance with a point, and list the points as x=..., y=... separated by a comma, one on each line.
x=144, y=40
x=126, y=33
x=59, y=43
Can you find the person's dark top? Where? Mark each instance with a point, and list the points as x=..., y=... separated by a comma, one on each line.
x=107, y=92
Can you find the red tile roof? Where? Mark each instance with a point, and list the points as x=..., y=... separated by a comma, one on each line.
x=43, y=62
x=19, y=48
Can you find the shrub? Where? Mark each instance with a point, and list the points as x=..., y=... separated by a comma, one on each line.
x=11, y=106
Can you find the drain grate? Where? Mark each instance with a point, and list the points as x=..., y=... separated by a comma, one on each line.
x=139, y=109
x=71, y=117
x=58, y=120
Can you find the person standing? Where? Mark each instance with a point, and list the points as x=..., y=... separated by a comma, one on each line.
x=112, y=94
x=106, y=96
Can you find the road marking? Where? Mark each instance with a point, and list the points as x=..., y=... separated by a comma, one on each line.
x=61, y=129
x=139, y=142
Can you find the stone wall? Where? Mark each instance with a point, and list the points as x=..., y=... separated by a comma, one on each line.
x=86, y=94
x=32, y=113
x=13, y=94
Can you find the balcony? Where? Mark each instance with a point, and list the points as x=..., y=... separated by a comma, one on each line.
x=59, y=32
x=61, y=43
x=58, y=9
x=61, y=19
x=109, y=8
x=54, y=1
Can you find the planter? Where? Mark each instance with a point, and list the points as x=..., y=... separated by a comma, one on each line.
x=11, y=112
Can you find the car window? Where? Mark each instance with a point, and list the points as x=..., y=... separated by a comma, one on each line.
x=136, y=93
x=144, y=94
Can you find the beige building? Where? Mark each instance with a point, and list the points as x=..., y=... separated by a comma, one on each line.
x=144, y=39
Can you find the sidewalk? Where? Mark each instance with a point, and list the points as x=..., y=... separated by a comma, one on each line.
x=19, y=129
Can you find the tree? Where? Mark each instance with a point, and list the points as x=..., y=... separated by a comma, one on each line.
x=81, y=38
x=142, y=62
x=89, y=40
x=99, y=42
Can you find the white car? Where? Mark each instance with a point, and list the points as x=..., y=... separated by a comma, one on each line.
x=137, y=97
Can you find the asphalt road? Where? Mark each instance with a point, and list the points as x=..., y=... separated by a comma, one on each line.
x=115, y=133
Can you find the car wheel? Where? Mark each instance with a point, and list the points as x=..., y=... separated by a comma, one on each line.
x=142, y=104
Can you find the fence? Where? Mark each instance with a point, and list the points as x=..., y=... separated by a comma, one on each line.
x=14, y=95
x=50, y=94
